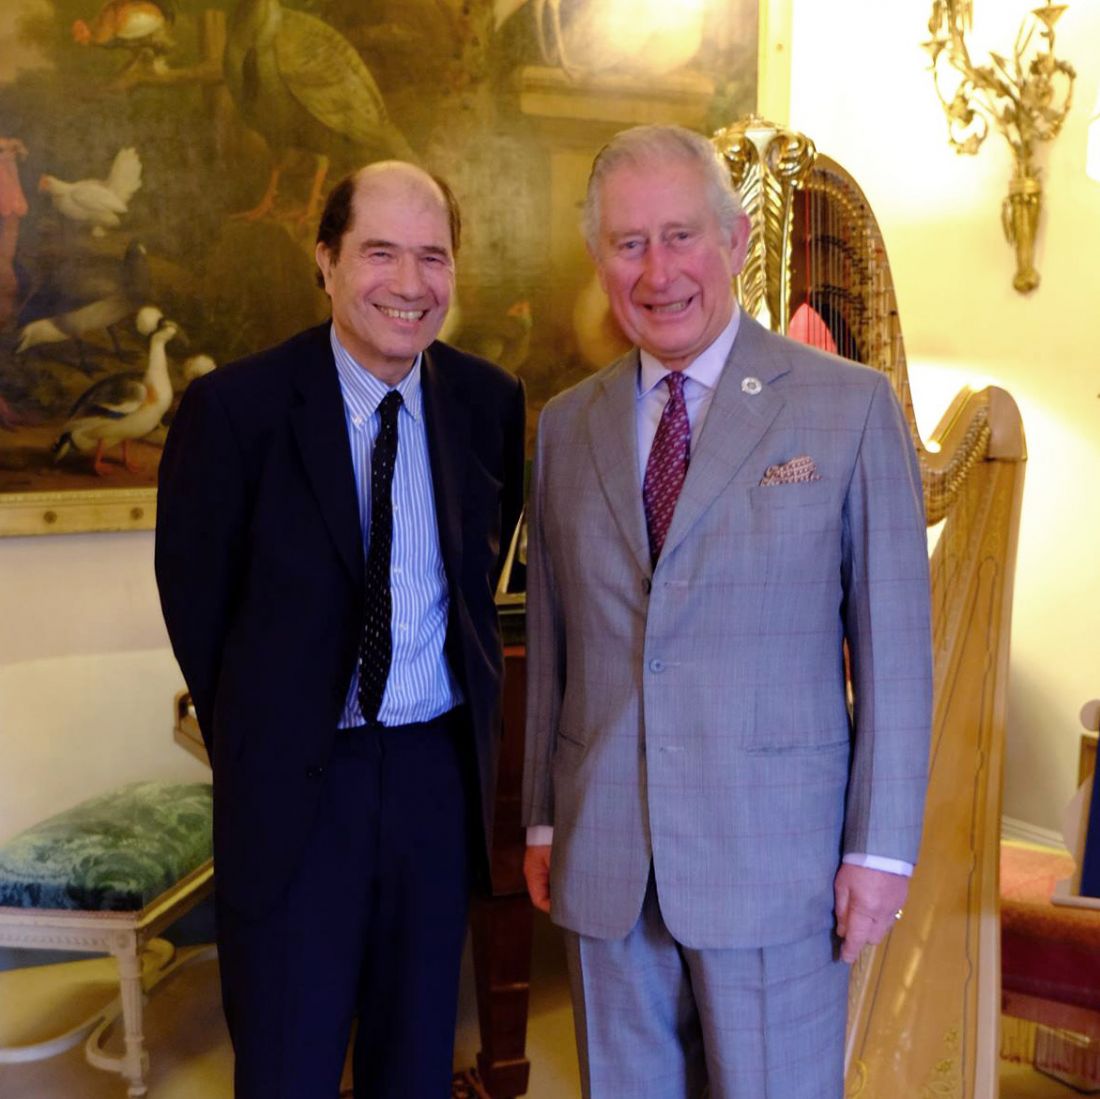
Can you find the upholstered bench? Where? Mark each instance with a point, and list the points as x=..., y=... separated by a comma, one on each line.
x=106, y=877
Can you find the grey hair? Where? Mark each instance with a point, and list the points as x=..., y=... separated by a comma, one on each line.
x=643, y=145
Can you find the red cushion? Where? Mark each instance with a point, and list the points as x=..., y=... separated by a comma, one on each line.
x=1047, y=950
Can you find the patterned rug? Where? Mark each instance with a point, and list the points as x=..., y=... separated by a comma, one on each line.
x=464, y=1085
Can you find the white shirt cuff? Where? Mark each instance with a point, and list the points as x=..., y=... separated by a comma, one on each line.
x=542, y=835
x=872, y=862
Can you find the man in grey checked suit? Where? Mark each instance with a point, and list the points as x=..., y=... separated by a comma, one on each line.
x=712, y=517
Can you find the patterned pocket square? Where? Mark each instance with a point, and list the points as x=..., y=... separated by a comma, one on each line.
x=795, y=472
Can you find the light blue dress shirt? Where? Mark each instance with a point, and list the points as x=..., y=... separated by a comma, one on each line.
x=421, y=684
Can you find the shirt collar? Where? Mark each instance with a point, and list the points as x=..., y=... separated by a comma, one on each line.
x=363, y=392
x=705, y=369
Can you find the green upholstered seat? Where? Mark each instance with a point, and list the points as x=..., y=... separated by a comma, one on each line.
x=115, y=853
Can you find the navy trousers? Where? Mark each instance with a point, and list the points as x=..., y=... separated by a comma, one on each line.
x=371, y=928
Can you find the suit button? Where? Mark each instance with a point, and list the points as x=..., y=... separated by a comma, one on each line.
x=656, y=665
x=647, y=585
x=314, y=772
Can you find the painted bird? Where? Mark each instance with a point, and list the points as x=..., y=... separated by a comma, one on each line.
x=123, y=407
x=129, y=24
x=98, y=203
x=89, y=297
x=303, y=86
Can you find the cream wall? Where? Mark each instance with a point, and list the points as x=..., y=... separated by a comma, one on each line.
x=860, y=88
x=86, y=678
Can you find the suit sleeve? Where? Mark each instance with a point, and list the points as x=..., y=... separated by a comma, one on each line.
x=545, y=651
x=887, y=609
x=199, y=541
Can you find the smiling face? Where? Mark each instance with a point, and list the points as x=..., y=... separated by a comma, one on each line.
x=392, y=279
x=664, y=260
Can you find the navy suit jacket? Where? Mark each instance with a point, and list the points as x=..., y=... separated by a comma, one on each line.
x=259, y=562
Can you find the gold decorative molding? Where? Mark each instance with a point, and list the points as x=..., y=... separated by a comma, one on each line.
x=1027, y=97
x=946, y=1080
x=857, y=1079
x=73, y=511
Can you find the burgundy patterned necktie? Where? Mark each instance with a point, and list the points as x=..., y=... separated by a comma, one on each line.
x=667, y=466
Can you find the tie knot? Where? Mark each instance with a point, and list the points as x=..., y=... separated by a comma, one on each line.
x=675, y=382
x=388, y=406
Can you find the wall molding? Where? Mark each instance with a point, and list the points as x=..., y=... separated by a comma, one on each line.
x=1013, y=828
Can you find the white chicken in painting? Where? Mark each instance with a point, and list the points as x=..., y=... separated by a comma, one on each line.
x=98, y=203
x=124, y=406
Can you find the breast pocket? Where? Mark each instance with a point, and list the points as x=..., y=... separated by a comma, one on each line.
x=808, y=505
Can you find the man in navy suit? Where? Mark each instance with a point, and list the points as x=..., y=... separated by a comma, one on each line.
x=331, y=522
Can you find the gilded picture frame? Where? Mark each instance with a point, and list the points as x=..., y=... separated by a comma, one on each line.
x=142, y=242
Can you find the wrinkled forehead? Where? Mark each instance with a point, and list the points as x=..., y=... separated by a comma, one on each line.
x=651, y=192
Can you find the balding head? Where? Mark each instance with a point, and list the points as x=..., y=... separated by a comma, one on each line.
x=383, y=177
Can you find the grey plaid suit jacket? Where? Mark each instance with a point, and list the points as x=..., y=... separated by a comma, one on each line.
x=693, y=716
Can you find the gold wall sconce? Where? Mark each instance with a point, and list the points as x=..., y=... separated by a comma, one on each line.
x=1026, y=96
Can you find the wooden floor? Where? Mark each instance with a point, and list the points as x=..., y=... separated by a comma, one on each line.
x=190, y=1049
x=1019, y=1082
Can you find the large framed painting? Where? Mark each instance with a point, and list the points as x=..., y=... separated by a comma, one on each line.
x=162, y=165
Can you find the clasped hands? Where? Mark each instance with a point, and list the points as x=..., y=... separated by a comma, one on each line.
x=867, y=901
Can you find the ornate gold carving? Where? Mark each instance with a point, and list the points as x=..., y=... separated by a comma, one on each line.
x=767, y=165
x=946, y=1081
x=1027, y=98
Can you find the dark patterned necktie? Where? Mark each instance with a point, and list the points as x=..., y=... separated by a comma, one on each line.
x=667, y=466
x=376, y=644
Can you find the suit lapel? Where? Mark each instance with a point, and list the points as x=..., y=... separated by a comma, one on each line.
x=447, y=419
x=320, y=429
x=736, y=422
x=613, y=437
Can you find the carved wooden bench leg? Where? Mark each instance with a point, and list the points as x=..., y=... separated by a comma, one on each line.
x=135, y=1061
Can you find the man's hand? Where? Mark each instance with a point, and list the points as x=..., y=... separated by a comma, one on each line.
x=536, y=869
x=866, y=901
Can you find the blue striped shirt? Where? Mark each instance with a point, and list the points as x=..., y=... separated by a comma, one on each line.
x=421, y=684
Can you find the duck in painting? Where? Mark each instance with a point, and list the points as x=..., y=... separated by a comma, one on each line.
x=87, y=297
x=195, y=366
x=303, y=86
x=97, y=203
x=126, y=406
x=135, y=25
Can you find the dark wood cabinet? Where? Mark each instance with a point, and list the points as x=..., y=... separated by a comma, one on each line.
x=501, y=921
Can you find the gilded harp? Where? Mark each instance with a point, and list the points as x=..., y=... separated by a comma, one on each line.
x=924, y=1007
